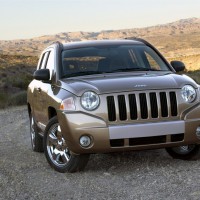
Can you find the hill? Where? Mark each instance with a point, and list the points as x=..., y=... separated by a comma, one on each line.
x=180, y=39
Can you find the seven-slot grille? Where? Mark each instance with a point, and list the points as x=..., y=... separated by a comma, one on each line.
x=142, y=105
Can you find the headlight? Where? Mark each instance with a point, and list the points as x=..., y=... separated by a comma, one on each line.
x=90, y=101
x=188, y=93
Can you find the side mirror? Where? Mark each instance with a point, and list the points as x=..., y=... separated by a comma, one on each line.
x=42, y=75
x=178, y=66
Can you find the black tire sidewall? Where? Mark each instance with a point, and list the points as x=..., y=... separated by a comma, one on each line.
x=192, y=155
x=38, y=139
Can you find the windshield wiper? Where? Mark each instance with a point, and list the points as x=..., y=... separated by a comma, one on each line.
x=134, y=69
x=101, y=72
x=81, y=74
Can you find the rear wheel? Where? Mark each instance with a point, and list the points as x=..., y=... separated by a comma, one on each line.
x=187, y=152
x=57, y=153
x=36, y=139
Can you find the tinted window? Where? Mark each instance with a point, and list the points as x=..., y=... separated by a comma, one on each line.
x=108, y=59
x=43, y=60
x=50, y=62
x=153, y=59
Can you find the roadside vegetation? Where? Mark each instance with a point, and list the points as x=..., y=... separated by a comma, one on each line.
x=16, y=73
x=195, y=75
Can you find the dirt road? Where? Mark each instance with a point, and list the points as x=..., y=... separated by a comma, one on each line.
x=136, y=175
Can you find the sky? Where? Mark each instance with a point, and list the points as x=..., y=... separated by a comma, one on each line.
x=22, y=19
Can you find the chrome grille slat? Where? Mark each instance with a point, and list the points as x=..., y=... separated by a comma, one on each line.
x=142, y=106
x=159, y=104
x=169, y=104
x=127, y=106
x=148, y=105
x=116, y=107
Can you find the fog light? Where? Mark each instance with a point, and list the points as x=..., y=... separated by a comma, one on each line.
x=85, y=141
x=198, y=132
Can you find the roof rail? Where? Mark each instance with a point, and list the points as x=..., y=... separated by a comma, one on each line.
x=59, y=44
x=143, y=41
x=56, y=42
x=139, y=40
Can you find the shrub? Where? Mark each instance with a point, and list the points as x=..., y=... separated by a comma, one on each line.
x=3, y=100
x=18, y=99
x=194, y=75
x=20, y=81
x=4, y=74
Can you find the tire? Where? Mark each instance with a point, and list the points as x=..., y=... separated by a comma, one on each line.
x=36, y=139
x=57, y=154
x=188, y=152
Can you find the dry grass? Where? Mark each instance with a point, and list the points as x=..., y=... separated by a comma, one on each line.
x=194, y=75
x=15, y=75
x=16, y=71
x=192, y=62
x=9, y=99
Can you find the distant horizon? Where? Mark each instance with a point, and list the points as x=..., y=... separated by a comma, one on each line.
x=99, y=30
x=26, y=19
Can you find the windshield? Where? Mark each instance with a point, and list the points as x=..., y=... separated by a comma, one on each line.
x=109, y=59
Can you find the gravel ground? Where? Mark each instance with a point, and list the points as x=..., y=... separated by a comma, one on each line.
x=25, y=174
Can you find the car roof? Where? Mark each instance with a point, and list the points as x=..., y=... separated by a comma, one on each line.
x=93, y=43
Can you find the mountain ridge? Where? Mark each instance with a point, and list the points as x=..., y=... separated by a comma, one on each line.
x=175, y=39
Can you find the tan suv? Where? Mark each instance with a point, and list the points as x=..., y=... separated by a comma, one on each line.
x=108, y=96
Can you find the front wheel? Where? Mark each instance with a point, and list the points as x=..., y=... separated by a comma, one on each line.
x=57, y=153
x=36, y=139
x=187, y=152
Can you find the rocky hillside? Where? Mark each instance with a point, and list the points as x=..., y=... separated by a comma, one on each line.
x=180, y=39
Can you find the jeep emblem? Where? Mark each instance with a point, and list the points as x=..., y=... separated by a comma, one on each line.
x=140, y=86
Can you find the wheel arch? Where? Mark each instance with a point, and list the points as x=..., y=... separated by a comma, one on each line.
x=51, y=112
x=29, y=108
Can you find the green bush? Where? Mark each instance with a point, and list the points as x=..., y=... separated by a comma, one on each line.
x=21, y=81
x=3, y=100
x=194, y=75
x=18, y=99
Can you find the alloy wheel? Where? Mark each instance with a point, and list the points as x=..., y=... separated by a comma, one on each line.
x=56, y=147
x=184, y=149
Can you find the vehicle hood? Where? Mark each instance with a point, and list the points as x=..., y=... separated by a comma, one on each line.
x=113, y=83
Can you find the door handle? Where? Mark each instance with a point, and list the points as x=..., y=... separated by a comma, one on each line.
x=38, y=89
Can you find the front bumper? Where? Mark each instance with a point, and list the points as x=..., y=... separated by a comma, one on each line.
x=126, y=137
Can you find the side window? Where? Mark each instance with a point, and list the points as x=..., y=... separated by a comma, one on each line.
x=43, y=60
x=50, y=62
x=152, y=62
x=40, y=61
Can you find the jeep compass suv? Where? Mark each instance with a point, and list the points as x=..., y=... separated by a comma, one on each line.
x=107, y=96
